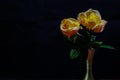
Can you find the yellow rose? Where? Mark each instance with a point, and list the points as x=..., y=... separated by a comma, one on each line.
x=92, y=20
x=70, y=26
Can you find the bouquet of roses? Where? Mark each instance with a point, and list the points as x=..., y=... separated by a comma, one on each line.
x=80, y=33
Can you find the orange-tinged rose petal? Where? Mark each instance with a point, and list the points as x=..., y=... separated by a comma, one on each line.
x=90, y=25
x=70, y=26
x=70, y=33
x=92, y=21
x=100, y=27
x=82, y=18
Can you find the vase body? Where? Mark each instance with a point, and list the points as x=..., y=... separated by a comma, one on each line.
x=89, y=60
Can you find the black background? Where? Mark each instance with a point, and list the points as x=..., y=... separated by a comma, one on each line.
x=32, y=45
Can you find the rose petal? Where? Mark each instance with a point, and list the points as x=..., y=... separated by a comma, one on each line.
x=82, y=18
x=70, y=26
x=100, y=27
x=94, y=11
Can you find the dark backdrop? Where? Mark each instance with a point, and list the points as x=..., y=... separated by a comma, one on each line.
x=32, y=45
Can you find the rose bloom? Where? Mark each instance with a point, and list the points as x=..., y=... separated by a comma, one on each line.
x=70, y=26
x=92, y=20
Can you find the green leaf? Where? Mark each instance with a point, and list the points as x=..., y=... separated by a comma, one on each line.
x=107, y=46
x=74, y=53
x=98, y=42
